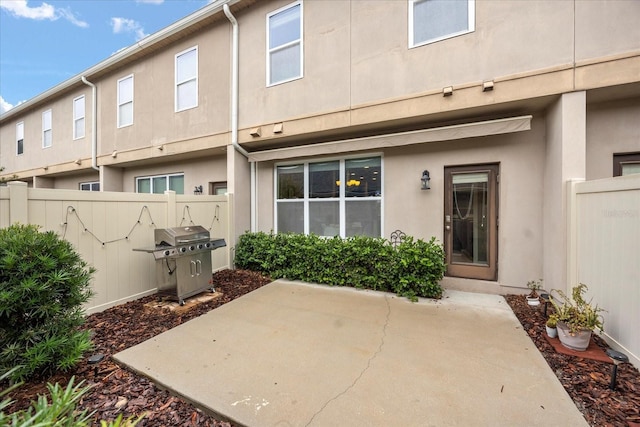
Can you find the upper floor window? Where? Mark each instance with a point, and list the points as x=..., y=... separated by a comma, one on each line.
x=90, y=186
x=626, y=164
x=78, y=117
x=158, y=184
x=47, y=132
x=187, y=79
x=330, y=198
x=125, y=101
x=284, y=44
x=434, y=20
x=19, y=138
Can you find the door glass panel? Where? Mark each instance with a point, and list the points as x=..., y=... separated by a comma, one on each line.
x=324, y=180
x=290, y=217
x=469, y=220
x=290, y=182
x=176, y=183
x=363, y=177
x=159, y=184
x=630, y=168
x=363, y=218
x=144, y=185
x=324, y=218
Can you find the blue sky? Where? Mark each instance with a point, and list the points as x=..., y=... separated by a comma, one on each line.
x=43, y=43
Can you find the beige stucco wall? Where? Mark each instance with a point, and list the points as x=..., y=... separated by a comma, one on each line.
x=420, y=213
x=605, y=27
x=73, y=182
x=155, y=121
x=612, y=127
x=196, y=172
x=63, y=148
x=325, y=85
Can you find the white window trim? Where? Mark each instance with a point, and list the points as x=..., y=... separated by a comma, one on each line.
x=299, y=41
x=19, y=134
x=177, y=83
x=50, y=129
x=151, y=177
x=75, y=119
x=130, y=76
x=470, y=21
x=90, y=184
x=342, y=199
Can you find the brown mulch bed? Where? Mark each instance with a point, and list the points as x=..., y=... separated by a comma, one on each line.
x=585, y=380
x=116, y=390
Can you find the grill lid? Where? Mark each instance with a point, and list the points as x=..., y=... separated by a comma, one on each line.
x=180, y=235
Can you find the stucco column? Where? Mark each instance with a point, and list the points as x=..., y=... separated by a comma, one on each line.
x=239, y=184
x=111, y=178
x=565, y=159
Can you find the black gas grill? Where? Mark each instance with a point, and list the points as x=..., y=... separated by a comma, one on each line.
x=183, y=260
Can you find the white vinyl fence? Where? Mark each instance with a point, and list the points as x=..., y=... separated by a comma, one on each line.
x=604, y=254
x=105, y=227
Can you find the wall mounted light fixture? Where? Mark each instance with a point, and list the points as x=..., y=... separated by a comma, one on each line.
x=425, y=180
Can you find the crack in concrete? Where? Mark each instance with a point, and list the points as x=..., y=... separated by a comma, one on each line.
x=342, y=393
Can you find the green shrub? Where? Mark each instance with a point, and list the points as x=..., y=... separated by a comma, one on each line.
x=413, y=269
x=43, y=284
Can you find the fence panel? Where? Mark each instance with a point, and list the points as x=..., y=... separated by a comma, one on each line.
x=606, y=232
x=105, y=227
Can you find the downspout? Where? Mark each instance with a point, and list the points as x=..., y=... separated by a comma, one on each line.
x=94, y=131
x=234, y=109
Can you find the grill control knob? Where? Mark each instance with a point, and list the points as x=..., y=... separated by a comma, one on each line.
x=191, y=248
x=183, y=249
x=167, y=253
x=208, y=245
x=200, y=246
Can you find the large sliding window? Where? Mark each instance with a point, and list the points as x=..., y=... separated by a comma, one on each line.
x=19, y=138
x=330, y=198
x=47, y=131
x=284, y=44
x=90, y=186
x=78, y=117
x=125, y=101
x=434, y=20
x=158, y=184
x=187, y=79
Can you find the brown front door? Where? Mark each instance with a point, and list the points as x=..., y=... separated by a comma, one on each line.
x=471, y=221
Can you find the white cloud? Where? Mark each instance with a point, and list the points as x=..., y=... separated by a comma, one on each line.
x=4, y=106
x=20, y=9
x=150, y=1
x=124, y=25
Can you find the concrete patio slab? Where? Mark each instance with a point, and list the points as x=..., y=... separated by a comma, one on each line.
x=295, y=354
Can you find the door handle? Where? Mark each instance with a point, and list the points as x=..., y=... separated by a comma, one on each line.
x=193, y=269
x=447, y=227
x=198, y=267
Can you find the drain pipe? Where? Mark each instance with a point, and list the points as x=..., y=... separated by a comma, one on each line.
x=94, y=133
x=234, y=110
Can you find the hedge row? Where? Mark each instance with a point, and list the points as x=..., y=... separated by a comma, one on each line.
x=411, y=269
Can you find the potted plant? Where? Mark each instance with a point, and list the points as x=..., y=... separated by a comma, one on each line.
x=551, y=326
x=577, y=318
x=533, y=298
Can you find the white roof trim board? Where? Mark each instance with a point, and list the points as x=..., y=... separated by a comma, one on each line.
x=444, y=133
